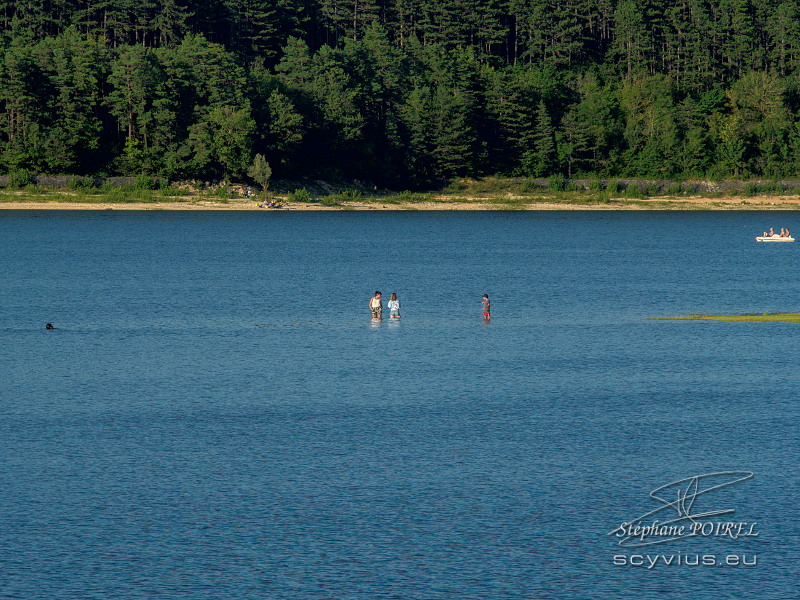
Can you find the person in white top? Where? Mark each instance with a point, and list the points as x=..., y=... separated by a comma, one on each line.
x=376, y=306
x=394, y=307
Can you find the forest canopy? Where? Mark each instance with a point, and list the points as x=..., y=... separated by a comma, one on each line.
x=401, y=92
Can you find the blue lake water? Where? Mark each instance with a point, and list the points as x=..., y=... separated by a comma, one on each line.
x=217, y=417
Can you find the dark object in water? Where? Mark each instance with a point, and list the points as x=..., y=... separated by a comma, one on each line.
x=49, y=326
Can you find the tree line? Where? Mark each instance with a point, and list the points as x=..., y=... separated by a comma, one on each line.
x=401, y=92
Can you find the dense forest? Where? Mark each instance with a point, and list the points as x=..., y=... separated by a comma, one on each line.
x=401, y=92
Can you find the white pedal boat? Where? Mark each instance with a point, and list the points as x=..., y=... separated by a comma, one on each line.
x=774, y=238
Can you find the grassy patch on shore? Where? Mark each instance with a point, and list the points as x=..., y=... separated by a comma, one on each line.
x=489, y=193
x=118, y=195
x=749, y=318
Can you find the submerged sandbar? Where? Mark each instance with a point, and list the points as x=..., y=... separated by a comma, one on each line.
x=747, y=318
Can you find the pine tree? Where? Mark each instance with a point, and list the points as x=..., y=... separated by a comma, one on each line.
x=254, y=29
x=632, y=38
x=544, y=142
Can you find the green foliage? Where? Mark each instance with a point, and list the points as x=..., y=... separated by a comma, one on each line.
x=633, y=191
x=557, y=183
x=751, y=318
x=773, y=187
x=750, y=188
x=80, y=183
x=223, y=193
x=346, y=195
x=351, y=195
x=674, y=188
x=544, y=142
x=529, y=185
x=19, y=178
x=220, y=141
x=407, y=92
x=454, y=187
x=651, y=129
x=596, y=185
x=169, y=191
x=299, y=195
x=143, y=182
x=409, y=197
x=604, y=197
x=260, y=171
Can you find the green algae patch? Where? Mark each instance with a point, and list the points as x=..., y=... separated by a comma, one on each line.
x=751, y=318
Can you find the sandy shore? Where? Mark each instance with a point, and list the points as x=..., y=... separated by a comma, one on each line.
x=440, y=203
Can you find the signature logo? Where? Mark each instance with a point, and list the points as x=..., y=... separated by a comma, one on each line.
x=679, y=500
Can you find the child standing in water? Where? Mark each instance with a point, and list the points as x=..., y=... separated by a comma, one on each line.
x=487, y=307
x=394, y=307
x=376, y=306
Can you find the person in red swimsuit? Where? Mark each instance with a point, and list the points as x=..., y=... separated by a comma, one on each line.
x=487, y=307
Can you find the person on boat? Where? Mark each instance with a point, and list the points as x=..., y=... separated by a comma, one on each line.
x=376, y=305
x=771, y=232
x=782, y=233
x=487, y=307
x=394, y=306
x=788, y=234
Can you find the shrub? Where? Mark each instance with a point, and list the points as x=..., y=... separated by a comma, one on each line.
x=633, y=191
x=299, y=195
x=19, y=178
x=674, y=188
x=350, y=194
x=557, y=183
x=596, y=185
x=173, y=191
x=491, y=185
x=144, y=182
x=223, y=193
x=750, y=188
x=80, y=183
x=115, y=194
x=332, y=200
x=773, y=186
x=407, y=196
x=613, y=187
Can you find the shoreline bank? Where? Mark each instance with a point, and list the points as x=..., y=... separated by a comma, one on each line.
x=445, y=203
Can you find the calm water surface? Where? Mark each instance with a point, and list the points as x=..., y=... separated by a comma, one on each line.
x=217, y=417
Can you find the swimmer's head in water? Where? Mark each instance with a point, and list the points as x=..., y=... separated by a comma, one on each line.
x=49, y=326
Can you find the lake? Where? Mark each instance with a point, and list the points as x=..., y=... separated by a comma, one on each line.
x=216, y=416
